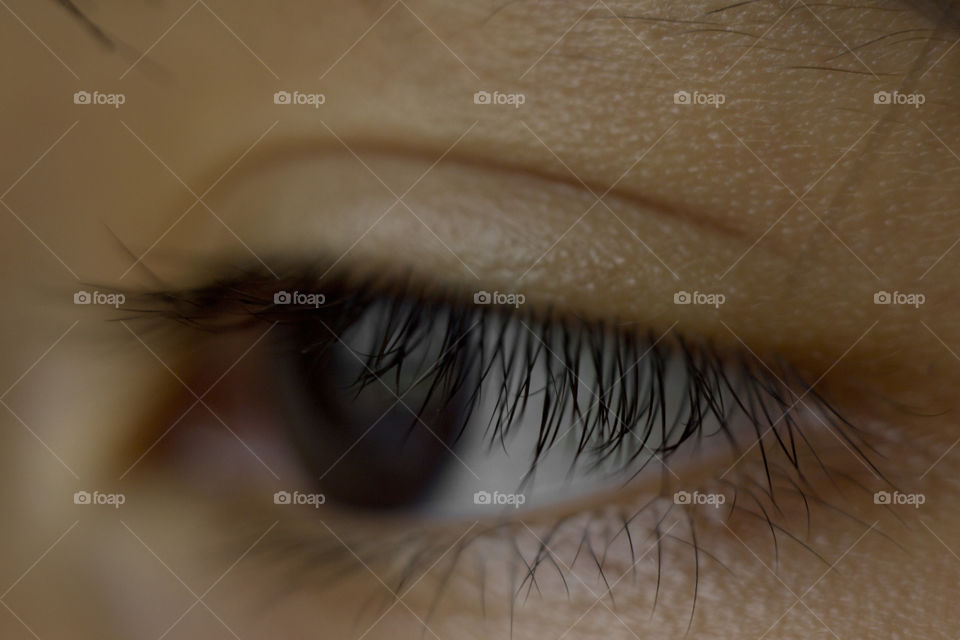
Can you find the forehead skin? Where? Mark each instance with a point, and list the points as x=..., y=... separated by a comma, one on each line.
x=694, y=198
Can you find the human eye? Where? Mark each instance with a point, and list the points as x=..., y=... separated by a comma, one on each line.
x=387, y=387
x=420, y=319
x=437, y=423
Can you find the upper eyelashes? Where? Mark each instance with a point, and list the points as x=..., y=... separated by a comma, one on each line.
x=381, y=382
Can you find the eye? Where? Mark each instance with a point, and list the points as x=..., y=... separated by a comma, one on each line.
x=396, y=397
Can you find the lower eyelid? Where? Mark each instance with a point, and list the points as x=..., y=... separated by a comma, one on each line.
x=652, y=554
x=685, y=556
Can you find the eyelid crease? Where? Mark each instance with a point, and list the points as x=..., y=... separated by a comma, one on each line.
x=294, y=150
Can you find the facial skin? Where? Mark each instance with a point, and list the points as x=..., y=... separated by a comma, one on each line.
x=798, y=199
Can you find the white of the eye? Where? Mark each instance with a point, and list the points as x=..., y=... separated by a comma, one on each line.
x=485, y=479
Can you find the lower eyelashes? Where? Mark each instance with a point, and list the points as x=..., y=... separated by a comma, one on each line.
x=647, y=556
x=448, y=422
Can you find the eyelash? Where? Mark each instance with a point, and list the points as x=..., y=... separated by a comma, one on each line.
x=628, y=369
x=718, y=383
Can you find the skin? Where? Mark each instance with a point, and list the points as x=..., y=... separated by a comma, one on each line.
x=495, y=198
